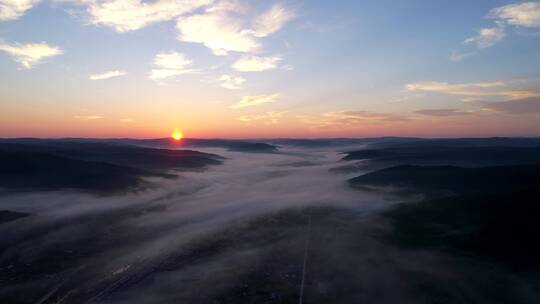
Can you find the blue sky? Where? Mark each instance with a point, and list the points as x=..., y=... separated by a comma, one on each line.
x=269, y=68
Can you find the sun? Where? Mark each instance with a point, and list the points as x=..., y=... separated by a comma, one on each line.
x=177, y=135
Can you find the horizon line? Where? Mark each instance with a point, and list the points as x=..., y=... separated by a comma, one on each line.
x=267, y=138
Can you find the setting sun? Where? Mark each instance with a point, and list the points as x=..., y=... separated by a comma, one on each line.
x=176, y=135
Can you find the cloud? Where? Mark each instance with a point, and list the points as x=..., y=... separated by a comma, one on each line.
x=346, y=119
x=268, y=117
x=471, y=100
x=129, y=15
x=107, y=75
x=526, y=14
x=13, y=9
x=127, y=120
x=272, y=20
x=520, y=106
x=407, y=96
x=172, y=60
x=231, y=82
x=288, y=67
x=255, y=63
x=508, y=89
x=366, y=115
x=88, y=117
x=249, y=101
x=159, y=74
x=442, y=112
x=170, y=64
x=487, y=37
x=217, y=31
x=222, y=27
x=30, y=54
x=445, y=87
x=457, y=56
x=228, y=6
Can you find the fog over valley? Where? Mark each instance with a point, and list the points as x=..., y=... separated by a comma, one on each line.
x=272, y=227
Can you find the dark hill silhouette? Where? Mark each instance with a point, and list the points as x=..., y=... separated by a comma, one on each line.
x=162, y=143
x=8, y=216
x=338, y=142
x=31, y=171
x=463, y=142
x=33, y=165
x=500, y=226
x=474, y=156
x=254, y=148
x=451, y=178
x=229, y=144
x=489, y=213
x=132, y=156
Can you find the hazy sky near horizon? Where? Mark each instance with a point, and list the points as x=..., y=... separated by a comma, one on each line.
x=291, y=68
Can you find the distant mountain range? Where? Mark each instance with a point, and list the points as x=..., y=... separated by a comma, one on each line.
x=436, y=153
x=167, y=143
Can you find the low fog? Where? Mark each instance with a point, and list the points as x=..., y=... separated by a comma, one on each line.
x=234, y=233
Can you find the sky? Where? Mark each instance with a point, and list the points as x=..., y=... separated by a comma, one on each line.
x=259, y=69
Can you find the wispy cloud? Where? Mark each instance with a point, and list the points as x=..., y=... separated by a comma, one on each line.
x=249, y=101
x=457, y=56
x=272, y=20
x=172, y=60
x=471, y=100
x=88, y=117
x=520, y=106
x=460, y=89
x=526, y=14
x=223, y=26
x=231, y=82
x=487, y=37
x=352, y=119
x=13, y=9
x=267, y=118
x=170, y=64
x=512, y=89
x=255, y=63
x=223, y=29
x=127, y=120
x=160, y=74
x=367, y=115
x=406, y=96
x=443, y=112
x=129, y=15
x=107, y=75
x=30, y=54
x=218, y=31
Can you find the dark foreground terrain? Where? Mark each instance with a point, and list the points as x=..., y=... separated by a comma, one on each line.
x=486, y=212
x=394, y=220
